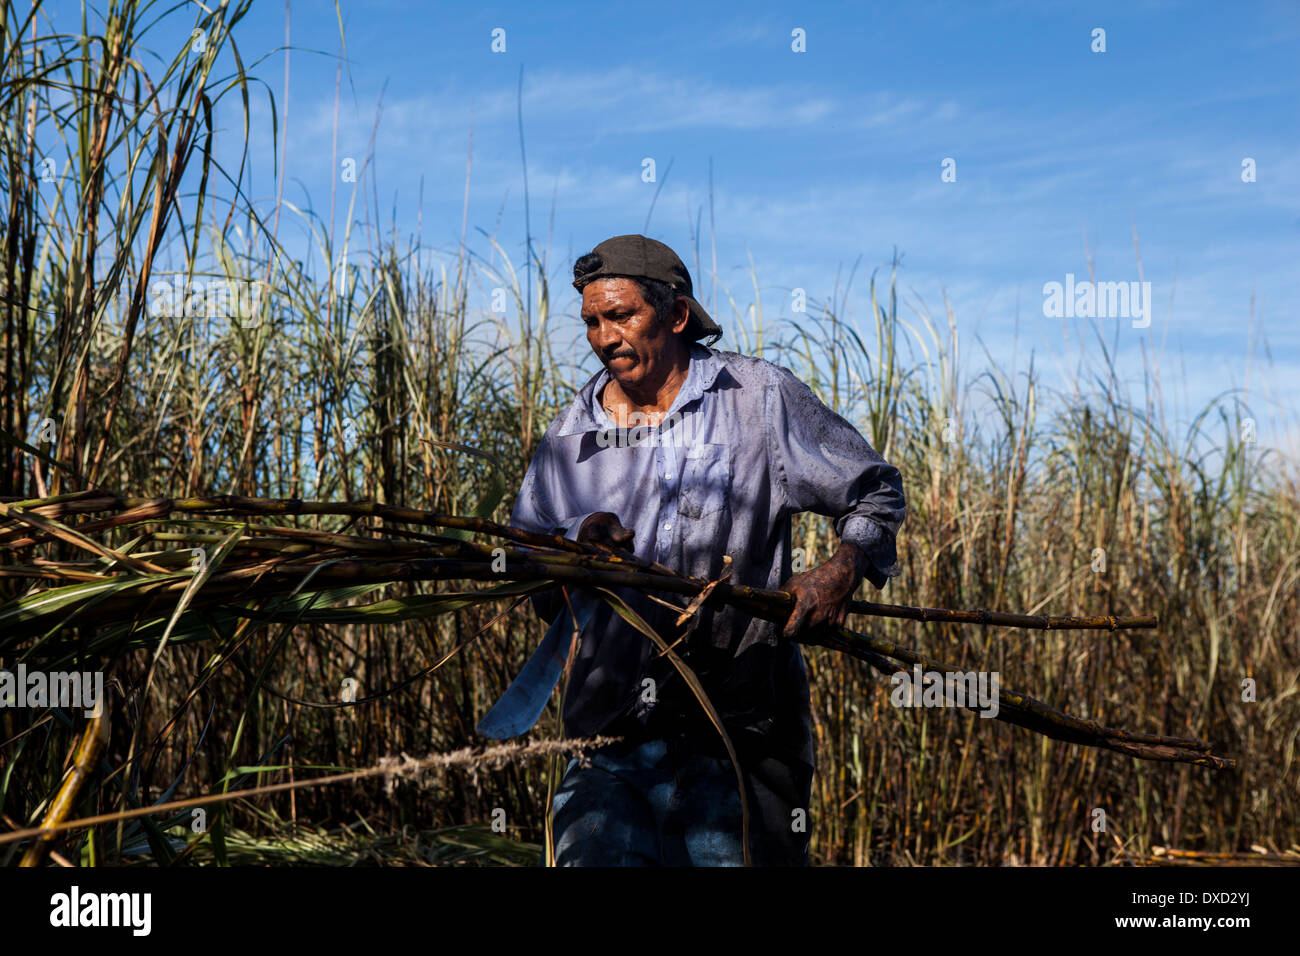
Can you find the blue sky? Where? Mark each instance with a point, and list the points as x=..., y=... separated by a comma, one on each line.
x=821, y=157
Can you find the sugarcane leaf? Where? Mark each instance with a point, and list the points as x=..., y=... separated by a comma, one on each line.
x=200, y=579
x=200, y=624
x=413, y=607
x=39, y=603
x=496, y=488
x=74, y=537
x=193, y=625
x=158, y=842
x=219, y=621
x=48, y=459
x=20, y=614
x=217, y=832
x=237, y=775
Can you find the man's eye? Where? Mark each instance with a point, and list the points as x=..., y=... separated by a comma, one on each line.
x=613, y=317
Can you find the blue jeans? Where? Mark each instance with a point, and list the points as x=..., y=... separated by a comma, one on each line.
x=663, y=803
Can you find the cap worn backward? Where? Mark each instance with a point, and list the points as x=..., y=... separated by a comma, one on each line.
x=638, y=256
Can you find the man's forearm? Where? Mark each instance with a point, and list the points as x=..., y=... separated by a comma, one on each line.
x=853, y=557
x=876, y=544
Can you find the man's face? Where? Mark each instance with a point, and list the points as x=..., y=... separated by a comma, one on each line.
x=622, y=331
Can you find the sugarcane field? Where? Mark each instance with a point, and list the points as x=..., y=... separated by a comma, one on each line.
x=500, y=438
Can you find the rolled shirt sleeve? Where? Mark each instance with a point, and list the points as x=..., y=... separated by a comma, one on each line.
x=824, y=465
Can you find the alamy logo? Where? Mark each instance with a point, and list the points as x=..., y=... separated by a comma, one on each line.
x=237, y=299
x=675, y=430
x=1098, y=300
x=946, y=689
x=75, y=908
x=65, y=689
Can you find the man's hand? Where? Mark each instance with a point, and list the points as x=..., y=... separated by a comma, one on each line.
x=603, y=528
x=600, y=528
x=822, y=594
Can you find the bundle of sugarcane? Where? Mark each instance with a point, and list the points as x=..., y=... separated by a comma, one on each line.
x=1258, y=856
x=227, y=557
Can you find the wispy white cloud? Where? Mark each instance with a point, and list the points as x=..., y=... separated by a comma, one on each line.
x=1029, y=188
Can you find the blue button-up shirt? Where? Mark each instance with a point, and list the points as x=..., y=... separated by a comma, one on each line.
x=744, y=446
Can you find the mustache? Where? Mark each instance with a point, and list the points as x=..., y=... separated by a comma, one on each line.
x=622, y=353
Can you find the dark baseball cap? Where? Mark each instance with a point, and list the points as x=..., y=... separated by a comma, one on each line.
x=637, y=257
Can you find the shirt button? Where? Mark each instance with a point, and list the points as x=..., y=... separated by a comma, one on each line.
x=668, y=477
x=668, y=527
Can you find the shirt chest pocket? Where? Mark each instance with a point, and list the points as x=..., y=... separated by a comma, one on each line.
x=706, y=481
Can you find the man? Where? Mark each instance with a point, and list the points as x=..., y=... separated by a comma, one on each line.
x=683, y=455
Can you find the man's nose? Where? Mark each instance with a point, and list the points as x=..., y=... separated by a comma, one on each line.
x=607, y=337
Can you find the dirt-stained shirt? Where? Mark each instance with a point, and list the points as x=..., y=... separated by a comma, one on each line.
x=744, y=447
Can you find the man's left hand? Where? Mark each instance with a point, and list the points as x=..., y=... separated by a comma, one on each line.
x=822, y=594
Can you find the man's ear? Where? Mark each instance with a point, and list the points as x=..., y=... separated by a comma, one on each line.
x=681, y=315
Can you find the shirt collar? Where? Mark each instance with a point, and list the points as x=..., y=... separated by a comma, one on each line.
x=700, y=375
